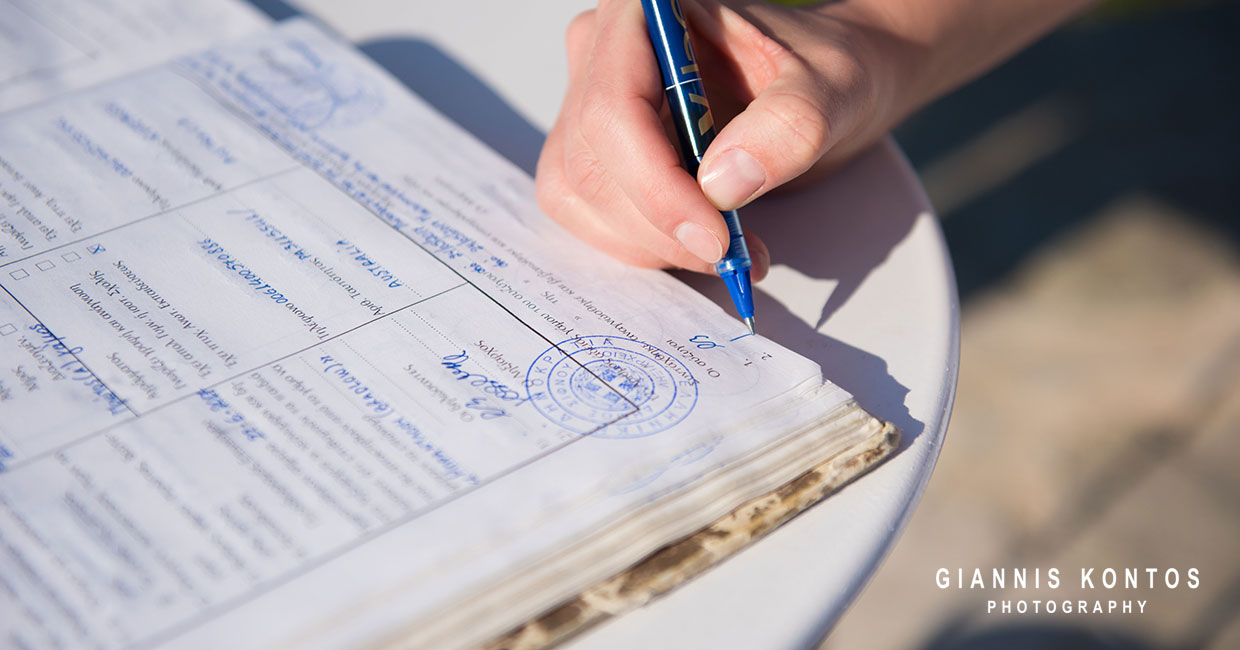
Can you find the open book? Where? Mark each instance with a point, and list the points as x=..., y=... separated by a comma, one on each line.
x=289, y=359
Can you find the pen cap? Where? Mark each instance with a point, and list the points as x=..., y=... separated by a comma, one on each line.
x=669, y=35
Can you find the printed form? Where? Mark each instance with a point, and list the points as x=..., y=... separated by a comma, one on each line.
x=50, y=46
x=288, y=358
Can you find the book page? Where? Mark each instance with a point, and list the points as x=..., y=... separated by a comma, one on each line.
x=48, y=47
x=287, y=357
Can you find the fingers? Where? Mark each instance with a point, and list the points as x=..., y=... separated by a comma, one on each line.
x=567, y=208
x=759, y=256
x=799, y=113
x=608, y=171
x=775, y=139
x=574, y=188
x=620, y=125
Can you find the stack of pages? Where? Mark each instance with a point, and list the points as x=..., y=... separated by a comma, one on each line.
x=289, y=359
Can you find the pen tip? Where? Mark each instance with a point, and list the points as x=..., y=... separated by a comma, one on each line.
x=749, y=323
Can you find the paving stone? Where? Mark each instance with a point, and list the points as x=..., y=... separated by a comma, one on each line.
x=943, y=536
x=1167, y=521
x=1214, y=455
x=1089, y=346
x=1095, y=425
x=1228, y=638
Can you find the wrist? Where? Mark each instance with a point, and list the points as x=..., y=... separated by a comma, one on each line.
x=896, y=67
x=932, y=48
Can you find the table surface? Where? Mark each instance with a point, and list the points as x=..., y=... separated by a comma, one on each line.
x=871, y=298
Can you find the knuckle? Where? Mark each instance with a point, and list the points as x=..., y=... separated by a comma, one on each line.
x=647, y=248
x=859, y=83
x=548, y=193
x=847, y=75
x=580, y=29
x=774, y=59
x=841, y=66
x=555, y=199
x=802, y=116
x=639, y=258
x=549, y=174
x=606, y=5
x=587, y=176
x=597, y=111
x=653, y=195
x=777, y=54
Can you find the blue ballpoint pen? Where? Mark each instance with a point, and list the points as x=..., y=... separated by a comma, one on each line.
x=687, y=98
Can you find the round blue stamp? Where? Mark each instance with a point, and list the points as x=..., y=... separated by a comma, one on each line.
x=311, y=92
x=611, y=387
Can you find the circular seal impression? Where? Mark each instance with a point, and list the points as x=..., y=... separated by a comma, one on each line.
x=309, y=92
x=611, y=387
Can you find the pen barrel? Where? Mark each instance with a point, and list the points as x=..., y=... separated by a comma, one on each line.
x=737, y=257
x=686, y=97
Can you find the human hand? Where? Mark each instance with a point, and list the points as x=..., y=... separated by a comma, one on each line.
x=812, y=85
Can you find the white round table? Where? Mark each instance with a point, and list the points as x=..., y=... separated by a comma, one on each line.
x=870, y=296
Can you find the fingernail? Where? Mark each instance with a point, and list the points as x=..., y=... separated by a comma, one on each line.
x=700, y=242
x=729, y=180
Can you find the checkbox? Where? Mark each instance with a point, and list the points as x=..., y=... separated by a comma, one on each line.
x=19, y=274
x=45, y=265
x=70, y=257
x=7, y=328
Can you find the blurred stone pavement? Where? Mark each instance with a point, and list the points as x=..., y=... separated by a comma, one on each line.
x=1090, y=193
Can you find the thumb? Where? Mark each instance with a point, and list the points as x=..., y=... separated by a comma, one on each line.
x=780, y=135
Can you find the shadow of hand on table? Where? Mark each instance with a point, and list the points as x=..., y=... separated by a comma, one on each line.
x=454, y=91
x=828, y=232
x=835, y=231
x=276, y=9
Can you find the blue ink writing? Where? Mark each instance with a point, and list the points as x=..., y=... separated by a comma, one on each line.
x=218, y=253
x=284, y=242
x=703, y=342
x=76, y=371
x=217, y=405
x=455, y=365
x=372, y=267
x=353, y=384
